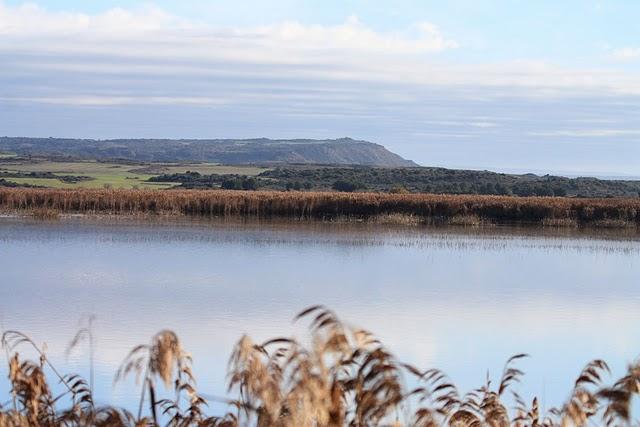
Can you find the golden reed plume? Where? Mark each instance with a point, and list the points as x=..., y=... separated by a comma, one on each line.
x=344, y=376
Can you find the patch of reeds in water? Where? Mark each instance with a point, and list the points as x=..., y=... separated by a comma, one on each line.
x=345, y=377
x=397, y=219
x=421, y=208
x=465, y=220
x=45, y=214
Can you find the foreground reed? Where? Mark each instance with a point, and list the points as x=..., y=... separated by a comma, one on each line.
x=464, y=209
x=345, y=377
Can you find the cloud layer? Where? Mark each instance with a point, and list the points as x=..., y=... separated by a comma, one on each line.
x=145, y=72
x=627, y=53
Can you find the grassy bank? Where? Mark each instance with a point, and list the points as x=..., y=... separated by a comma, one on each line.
x=421, y=208
x=345, y=377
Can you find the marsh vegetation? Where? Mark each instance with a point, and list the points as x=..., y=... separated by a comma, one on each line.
x=340, y=376
x=426, y=208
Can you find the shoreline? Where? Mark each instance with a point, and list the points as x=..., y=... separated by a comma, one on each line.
x=399, y=220
x=341, y=227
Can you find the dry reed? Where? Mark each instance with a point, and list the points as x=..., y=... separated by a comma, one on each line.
x=465, y=220
x=345, y=377
x=326, y=205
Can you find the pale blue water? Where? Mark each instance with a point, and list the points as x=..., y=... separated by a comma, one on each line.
x=460, y=300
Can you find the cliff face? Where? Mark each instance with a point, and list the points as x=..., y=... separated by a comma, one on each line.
x=345, y=151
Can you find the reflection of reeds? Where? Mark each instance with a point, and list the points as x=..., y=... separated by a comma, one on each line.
x=344, y=377
x=559, y=222
x=302, y=205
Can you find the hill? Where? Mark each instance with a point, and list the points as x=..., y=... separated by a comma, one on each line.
x=343, y=151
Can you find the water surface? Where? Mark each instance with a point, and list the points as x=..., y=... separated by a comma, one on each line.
x=462, y=300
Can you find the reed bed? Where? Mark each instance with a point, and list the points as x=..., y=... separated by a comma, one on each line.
x=345, y=377
x=464, y=209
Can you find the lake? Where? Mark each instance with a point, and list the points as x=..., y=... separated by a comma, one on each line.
x=459, y=299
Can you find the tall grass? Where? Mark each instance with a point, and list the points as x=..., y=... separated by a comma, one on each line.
x=327, y=205
x=345, y=377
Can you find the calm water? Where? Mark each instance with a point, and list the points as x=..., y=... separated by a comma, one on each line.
x=462, y=301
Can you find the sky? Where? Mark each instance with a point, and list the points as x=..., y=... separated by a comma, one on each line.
x=509, y=85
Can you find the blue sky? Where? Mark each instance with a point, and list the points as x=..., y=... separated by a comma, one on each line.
x=507, y=85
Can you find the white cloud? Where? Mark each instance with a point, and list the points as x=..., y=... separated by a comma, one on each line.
x=354, y=35
x=150, y=42
x=30, y=20
x=150, y=22
x=589, y=133
x=484, y=124
x=106, y=100
x=626, y=53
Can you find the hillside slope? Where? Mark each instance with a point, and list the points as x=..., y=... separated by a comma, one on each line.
x=344, y=151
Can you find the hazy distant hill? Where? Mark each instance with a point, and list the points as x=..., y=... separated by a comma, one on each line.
x=344, y=151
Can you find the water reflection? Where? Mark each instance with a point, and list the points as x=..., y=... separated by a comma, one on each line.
x=459, y=299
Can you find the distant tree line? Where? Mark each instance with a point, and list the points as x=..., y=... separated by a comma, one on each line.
x=70, y=179
x=191, y=179
x=408, y=180
x=10, y=184
x=449, y=181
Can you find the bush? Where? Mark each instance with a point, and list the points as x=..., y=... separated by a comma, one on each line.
x=231, y=184
x=239, y=184
x=249, y=184
x=346, y=186
x=293, y=186
x=399, y=189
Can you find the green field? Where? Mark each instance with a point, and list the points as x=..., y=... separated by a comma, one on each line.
x=100, y=181
x=111, y=175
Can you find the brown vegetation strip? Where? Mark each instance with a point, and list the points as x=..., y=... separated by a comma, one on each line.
x=322, y=205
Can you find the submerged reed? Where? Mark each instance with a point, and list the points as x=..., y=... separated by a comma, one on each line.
x=344, y=377
x=421, y=208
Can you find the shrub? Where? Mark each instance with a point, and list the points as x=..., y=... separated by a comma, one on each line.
x=398, y=189
x=231, y=184
x=345, y=186
x=249, y=184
